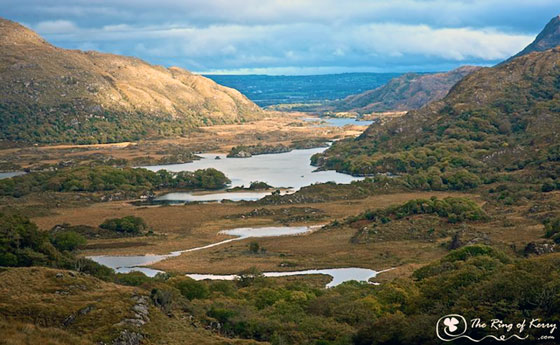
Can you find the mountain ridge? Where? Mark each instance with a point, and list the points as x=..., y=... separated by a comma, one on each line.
x=407, y=92
x=548, y=38
x=50, y=94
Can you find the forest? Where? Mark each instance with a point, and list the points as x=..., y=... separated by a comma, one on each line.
x=106, y=178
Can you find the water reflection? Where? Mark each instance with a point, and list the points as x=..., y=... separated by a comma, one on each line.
x=290, y=169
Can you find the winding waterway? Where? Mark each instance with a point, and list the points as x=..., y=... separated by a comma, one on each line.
x=125, y=264
x=338, y=275
x=128, y=263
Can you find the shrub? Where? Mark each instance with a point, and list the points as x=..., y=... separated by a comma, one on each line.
x=454, y=209
x=128, y=224
x=552, y=229
x=133, y=278
x=191, y=289
x=68, y=240
x=22, y=244
x=467, y=252
x=254, y=247
x=93, y=268
x=103, y=178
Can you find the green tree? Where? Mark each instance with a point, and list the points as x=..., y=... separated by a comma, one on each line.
x=68, y=240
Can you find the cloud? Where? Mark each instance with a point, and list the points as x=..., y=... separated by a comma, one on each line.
x=449, y=43
x=287, y=35
x=308, y=44
x=511, y=15
x=55, y=27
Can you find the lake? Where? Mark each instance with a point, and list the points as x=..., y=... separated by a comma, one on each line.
x=289, y=170
x=336, y=122
x=9, y=174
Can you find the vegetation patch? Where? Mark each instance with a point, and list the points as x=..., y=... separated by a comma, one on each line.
x=129, y=225
x=454, y=209
x=107, y=178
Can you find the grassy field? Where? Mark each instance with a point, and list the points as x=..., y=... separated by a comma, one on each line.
x=278, y=128
x=193, y=225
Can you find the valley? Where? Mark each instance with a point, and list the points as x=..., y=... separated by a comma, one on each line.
x=182, y=212
x=276, y=129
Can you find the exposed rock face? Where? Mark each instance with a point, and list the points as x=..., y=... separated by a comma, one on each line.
x=540, y=247
x=407, y=92
x=548, y=38
x=50, y=94
x=127, y=337
x=140, y=312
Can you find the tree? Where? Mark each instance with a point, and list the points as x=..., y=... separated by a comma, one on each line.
x=68, y=240
x=128, y=224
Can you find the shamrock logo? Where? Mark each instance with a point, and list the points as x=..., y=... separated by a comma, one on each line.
x=451, y=323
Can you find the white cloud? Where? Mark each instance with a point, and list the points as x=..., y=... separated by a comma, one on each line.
x=56, y=27
x=447, y=43
x=271, y=35
x=314, y=43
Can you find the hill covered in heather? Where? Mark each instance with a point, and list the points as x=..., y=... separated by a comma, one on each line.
x=497, y=121
x=49, y=94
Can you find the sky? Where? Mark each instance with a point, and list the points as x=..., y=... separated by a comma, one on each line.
x=292, y=37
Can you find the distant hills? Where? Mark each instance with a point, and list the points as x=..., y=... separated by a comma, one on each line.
x=407, y=92
x=302, y=90
x=49, y=94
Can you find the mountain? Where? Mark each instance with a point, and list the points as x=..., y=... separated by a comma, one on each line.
x=49, y=94
x=407, y=92
x=548, y=38
x=499, y=120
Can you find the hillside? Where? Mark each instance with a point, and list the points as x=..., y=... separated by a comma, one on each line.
x=58, y=306
x=49, y=94
x=497, y=120
x=548, y=38
x=407, y=92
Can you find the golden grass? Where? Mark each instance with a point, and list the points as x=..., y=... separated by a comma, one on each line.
x=21, y=333
x=187, y=226
x=36, y=296
x=276, y=129
x=34, y=304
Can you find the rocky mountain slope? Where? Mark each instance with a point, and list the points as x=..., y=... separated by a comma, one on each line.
x=407, y=92
x=49, y=94
x=548, y=38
